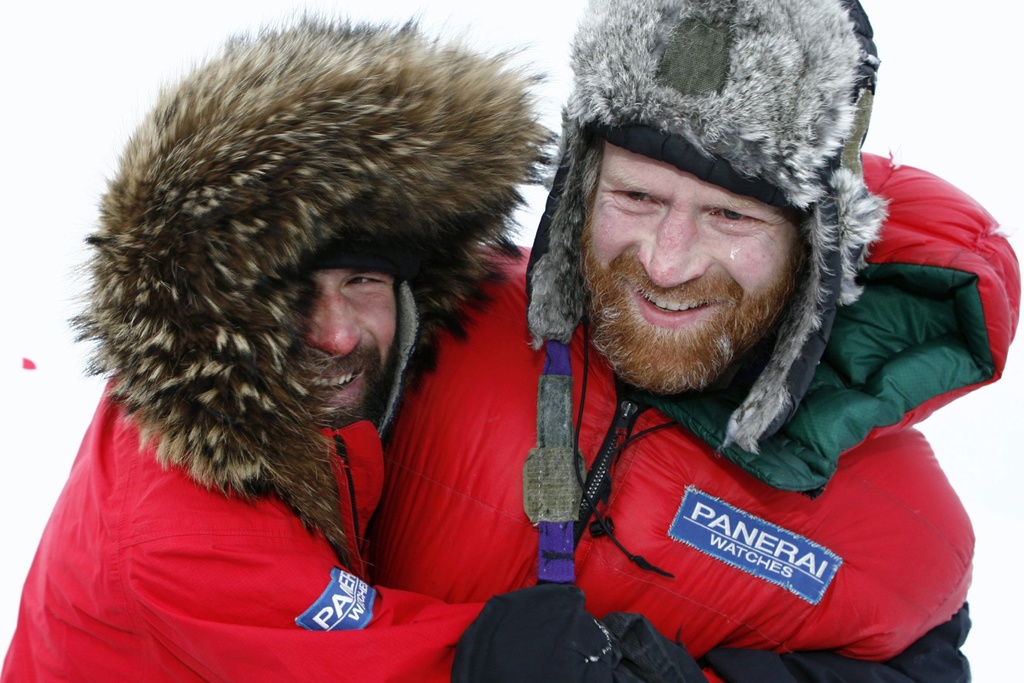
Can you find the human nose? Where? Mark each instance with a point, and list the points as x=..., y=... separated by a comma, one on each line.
x=333, y=327
x=675, y=255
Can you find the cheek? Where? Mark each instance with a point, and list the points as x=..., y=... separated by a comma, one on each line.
x=388, y=331
x=610, y=237
x=759, y=265
x=379, y=321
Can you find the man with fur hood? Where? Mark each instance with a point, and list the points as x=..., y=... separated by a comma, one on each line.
x=735, y=320
x=288, y=231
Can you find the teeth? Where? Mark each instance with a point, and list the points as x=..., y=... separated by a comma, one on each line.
x=672, y=306
x=337, y=382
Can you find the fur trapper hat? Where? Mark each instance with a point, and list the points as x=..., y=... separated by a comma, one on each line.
x=284, y=144
x=766, y=98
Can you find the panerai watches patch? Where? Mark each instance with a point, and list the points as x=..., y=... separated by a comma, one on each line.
x=346, y=605
x=754, y=545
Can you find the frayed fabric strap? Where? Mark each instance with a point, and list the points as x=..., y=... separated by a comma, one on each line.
x=551, y=490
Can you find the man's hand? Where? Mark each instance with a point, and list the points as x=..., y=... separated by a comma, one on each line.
x=543, y=634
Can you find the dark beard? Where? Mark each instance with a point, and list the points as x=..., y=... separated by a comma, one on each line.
x=376, y=403
x=380, y=381
x=666, y=361
x=378, y=376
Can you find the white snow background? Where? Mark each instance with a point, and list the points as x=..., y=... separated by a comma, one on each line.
x=78, y=77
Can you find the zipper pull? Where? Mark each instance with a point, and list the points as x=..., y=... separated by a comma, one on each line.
x=627, y=409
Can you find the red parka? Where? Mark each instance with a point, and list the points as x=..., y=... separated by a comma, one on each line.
x=865, y=566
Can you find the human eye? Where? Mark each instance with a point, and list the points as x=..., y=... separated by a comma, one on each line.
x=371, y=278
x=731, y=215
x=634, y=201
x=734, y=220
x=627, y=195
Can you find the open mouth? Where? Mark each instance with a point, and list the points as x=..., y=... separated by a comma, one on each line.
x=338, y=382
x=670, y=306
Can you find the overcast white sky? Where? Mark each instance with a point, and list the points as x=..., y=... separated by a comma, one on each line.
x=77, y=78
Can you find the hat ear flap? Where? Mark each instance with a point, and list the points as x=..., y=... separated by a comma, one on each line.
x=801, y=337
x=837, y=233
x=555, y=282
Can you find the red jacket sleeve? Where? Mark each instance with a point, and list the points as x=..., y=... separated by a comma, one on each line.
x=233, y=628
x=142, y=574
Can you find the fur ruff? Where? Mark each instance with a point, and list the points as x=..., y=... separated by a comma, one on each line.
x=282, y=143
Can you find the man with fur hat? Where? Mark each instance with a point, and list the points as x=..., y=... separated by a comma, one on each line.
x=288, y=231
x=730, y=367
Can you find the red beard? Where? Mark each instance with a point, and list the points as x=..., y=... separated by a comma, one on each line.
x=666, y=361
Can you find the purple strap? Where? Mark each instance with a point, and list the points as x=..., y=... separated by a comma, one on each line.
x=556, y=361
x=555, y=553
x=555, y=546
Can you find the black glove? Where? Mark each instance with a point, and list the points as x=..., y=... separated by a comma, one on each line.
x=543, y=634
x=650, y=656
x=934, y=658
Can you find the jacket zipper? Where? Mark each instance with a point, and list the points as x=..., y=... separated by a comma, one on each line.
x=342, y=452
x=598, y=484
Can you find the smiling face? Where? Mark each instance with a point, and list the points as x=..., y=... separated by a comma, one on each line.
x=351, y=335
x=683, y=276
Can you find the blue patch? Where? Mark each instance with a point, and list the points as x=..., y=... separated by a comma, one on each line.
x=346, y=605
x=754, y=545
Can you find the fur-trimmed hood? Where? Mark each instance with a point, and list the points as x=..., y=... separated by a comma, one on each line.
x=767, y=98
x=281, y=144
